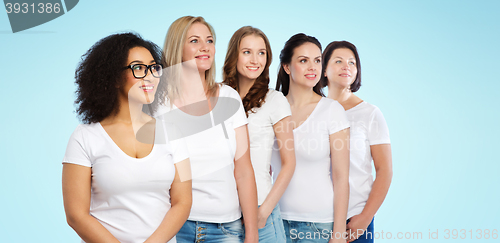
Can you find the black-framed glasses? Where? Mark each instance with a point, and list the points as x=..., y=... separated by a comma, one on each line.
x=141, y=70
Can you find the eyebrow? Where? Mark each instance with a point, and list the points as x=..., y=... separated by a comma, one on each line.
x=343, y=58
x=196, y=36
x=246, y=48
x=152, y=61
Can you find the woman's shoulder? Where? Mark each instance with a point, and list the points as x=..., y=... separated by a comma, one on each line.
x=227, y=91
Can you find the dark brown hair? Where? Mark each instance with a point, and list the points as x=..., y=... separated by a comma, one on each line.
x=257, y=93
x=283, y=81
x=327, y=54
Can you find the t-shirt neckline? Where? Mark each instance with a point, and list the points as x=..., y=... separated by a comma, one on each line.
x=121, y=151
x=310, y=115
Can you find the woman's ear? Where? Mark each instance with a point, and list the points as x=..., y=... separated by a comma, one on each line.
x=286, y=68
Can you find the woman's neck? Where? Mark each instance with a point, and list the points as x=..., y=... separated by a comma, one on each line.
x=338, y=93
x=299, y=96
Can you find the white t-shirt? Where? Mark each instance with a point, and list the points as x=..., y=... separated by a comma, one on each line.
x=212, y=149
x=368, y=127
x=260, y=128
x=129, y=196
x=309, y=196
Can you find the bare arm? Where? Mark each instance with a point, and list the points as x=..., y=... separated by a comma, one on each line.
x=284, y=136
x=76, y=185
x=181, y=199
x=245, y=182
x=382, y=160
x=339, y=150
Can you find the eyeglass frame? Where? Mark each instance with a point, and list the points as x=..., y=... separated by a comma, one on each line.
x=148, y=67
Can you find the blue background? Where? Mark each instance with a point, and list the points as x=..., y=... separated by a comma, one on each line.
x=428, y=65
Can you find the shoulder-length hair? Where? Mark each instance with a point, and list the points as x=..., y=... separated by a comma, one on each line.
x=327, y=54
x=257, y=93
x=283, y=81
x=172, y=50
x=99, y=76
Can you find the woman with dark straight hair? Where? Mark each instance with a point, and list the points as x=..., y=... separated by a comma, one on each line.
x=369, y=139
x=246, y=69
x=321, y=132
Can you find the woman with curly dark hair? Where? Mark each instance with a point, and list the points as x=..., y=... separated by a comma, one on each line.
x=115, y=187
x=246, y=69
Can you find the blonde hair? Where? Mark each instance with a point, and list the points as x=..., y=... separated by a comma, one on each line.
x=172, y=51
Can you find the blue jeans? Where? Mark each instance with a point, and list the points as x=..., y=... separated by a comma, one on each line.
x=302, y=232
x=198, y=232
x=273, y=232
x=367, y=237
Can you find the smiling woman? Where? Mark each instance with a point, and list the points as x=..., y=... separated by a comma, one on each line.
x=318, y=191
x=223, y=179
x=116, y=188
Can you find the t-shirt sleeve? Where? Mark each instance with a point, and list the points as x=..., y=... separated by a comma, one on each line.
x=338, y=118
x=281, y=108
x=179, y=149
x=240, y=117
x=76, y=152
x=378, y=132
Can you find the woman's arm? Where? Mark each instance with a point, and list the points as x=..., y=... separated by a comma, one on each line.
x=76, y=185
x=180, y=196
x=284, y=136
x=339, y=150
x=382, y=160
x=245, y=182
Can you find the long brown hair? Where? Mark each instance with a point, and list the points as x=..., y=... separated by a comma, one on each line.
x=257, y=94
x=172, y=51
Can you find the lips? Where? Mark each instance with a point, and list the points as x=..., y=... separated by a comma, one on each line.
x=252, y=68
x=310, y=76
x=147, y=88
x=346, y=75
x=203, y=57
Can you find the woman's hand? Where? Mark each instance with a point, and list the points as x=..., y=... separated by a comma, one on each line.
x=262, y=216
x=357, y=226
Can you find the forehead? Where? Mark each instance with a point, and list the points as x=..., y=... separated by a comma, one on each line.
x=307, y=49
x=253, y=41
x=343, y=52
x=198, y=29
x=139, y=53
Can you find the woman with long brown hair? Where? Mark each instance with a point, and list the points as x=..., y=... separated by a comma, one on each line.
x=246, y=69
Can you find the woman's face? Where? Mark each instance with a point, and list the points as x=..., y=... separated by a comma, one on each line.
x=199, y=46
x=252, y=57
x=341, y=69
x=141, y=90
x=305, y=67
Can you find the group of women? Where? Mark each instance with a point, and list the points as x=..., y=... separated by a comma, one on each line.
x=167, y=154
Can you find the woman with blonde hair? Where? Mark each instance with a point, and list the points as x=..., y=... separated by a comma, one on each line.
x=246, y=69
x=213, y=121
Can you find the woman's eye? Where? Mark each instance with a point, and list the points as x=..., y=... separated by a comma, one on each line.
x=137, y=67
x=303, y=61
x=338, y=61
x=210, y=41
x=317, y=61
x=246, y=52
x=352, y=63
x=262, y=53
x=194, y=41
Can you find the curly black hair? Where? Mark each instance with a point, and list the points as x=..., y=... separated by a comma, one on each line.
x=99, y=76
